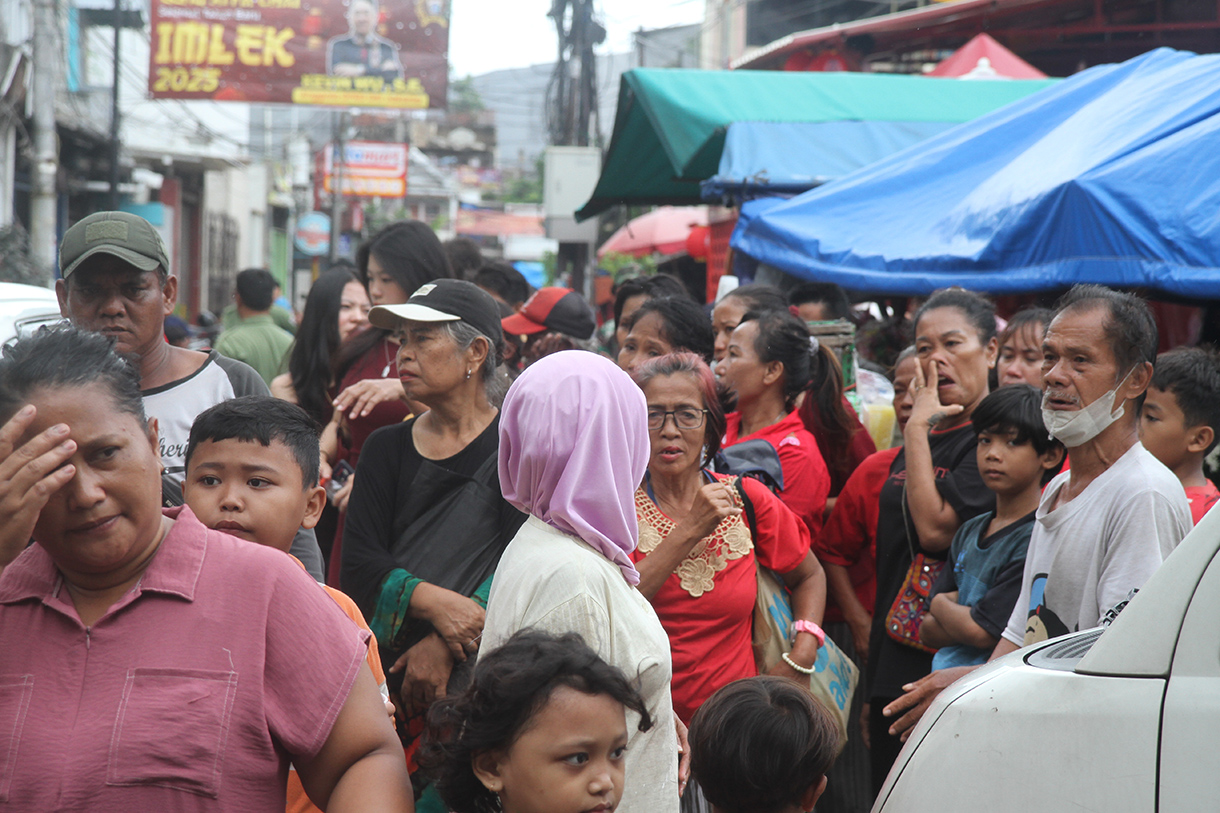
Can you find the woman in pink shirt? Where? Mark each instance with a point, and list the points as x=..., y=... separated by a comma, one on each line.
x=770, y=360
x=148, y=662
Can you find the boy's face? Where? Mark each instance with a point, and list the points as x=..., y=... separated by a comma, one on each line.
x=1007, y=467
x=251, y=491
x=1164, y=432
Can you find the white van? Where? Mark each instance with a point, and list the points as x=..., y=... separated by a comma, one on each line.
x=1121, y=719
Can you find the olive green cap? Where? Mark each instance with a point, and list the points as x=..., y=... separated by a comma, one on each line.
x=129, y=237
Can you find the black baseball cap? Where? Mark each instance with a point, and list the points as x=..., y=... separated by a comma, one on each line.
x=444, y=300
x=559, y=309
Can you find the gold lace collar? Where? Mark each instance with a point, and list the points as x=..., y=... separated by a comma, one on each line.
x=697, y=573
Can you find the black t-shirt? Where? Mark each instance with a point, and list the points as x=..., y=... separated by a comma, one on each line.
x=891, y=665
x=381, y=508
x=992, y=611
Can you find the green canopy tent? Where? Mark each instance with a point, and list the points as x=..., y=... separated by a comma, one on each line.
x=671, y=126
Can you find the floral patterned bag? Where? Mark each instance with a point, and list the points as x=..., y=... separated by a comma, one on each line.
x=912, y=602
x=903, y=620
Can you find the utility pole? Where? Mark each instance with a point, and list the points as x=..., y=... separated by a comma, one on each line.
x=338, y=159
x=114, y=112
x=588, y=69
x=573, y=99
x=46, y=147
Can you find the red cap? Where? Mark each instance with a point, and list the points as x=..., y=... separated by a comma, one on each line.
x=559, y=309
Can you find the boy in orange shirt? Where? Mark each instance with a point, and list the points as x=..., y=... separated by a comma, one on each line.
x=252, y=472
x=1180, y=418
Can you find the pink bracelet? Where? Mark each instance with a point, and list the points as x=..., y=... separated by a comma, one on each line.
x=811, y=628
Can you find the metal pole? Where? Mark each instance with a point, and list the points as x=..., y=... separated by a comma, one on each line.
x=46, y=152
x=336, y=191
x=114, y=112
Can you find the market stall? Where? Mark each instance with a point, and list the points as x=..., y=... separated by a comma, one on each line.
x=1111, y=176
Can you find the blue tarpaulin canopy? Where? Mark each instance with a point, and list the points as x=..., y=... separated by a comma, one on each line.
x=1111, y=176
x=786, y=158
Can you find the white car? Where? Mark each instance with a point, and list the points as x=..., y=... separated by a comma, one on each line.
x=1119, y=719
x=25, y=308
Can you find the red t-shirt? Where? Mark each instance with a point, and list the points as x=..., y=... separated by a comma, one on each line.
x=806, y=480
x=850, y=536
x=707, y=604
x=1201, y=499
x=378, y=362
x=860, y=446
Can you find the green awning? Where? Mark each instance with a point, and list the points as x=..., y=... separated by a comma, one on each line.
x=669, y=130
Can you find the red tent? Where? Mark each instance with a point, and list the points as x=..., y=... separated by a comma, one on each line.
x=984, y=58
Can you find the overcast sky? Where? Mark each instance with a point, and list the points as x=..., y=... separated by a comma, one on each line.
x=487, y=35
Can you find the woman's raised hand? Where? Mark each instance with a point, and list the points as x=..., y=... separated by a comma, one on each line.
x=712, y=504
x=29, y=475
x=360, y=398
x=928, y=411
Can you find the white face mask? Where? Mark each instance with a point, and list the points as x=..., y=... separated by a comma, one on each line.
x=1077, y=427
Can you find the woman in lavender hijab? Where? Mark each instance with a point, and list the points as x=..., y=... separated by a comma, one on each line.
x=573, y=448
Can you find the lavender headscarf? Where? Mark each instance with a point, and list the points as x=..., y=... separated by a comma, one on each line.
x=573, y=449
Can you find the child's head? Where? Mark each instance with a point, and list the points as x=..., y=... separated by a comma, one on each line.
x=1020, y=360
x=252, y=470
x=1014, y=448
x=541, y=729
x=1181, y=413
x=762, y=745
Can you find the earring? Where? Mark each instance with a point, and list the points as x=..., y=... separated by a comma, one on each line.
x=467, y=373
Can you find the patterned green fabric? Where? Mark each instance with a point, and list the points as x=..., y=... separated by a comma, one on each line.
x=483, y=590
x=396, y=591
x=391, y=612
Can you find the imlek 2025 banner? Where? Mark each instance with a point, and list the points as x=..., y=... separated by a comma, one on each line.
x=341, y=53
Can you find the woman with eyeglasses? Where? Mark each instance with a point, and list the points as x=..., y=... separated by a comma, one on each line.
x=697, y=553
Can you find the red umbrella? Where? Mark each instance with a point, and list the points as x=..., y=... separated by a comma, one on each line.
x=662, y=231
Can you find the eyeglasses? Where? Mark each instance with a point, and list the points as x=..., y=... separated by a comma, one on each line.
x=685, y=418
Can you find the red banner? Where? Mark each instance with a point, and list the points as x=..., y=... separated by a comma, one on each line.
x=340, y=53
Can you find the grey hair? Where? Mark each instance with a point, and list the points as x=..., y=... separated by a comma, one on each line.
x=464, y=335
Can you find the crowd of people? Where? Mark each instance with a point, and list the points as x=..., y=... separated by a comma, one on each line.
x=540, y=548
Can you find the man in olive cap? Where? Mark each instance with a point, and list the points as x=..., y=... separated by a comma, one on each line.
x=115, y=280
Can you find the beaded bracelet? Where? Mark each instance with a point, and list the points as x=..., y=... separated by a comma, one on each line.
x=802, y=669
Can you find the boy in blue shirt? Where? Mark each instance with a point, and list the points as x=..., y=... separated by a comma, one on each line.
x=975, y=594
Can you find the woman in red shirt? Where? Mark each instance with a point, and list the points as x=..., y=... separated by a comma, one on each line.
x=696, y=556
x=769, y=362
